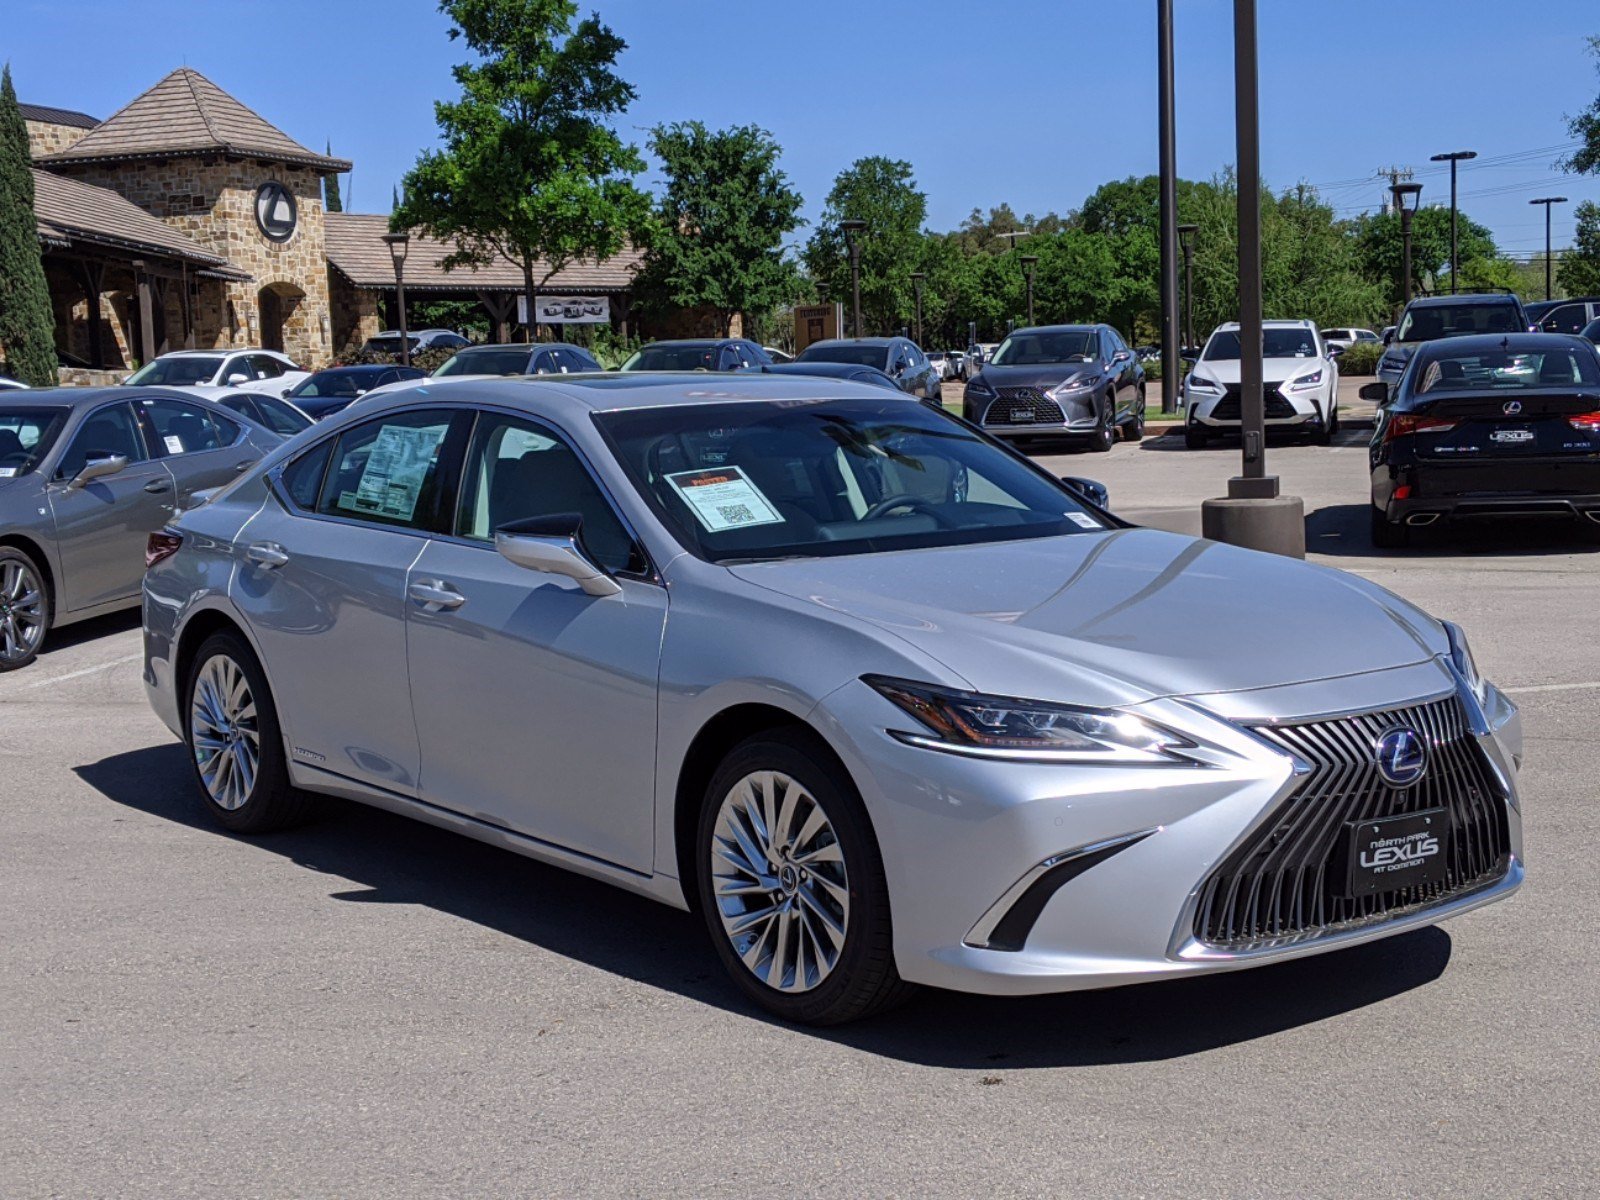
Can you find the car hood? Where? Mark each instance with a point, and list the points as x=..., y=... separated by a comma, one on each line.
x=1046, y=376
x=1117, y=617
x=1273, y=370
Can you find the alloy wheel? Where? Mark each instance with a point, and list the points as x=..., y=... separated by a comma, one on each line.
x=224, y=732
x=22, y=611
x=780, y=882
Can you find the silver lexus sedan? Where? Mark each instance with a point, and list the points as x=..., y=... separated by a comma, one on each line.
x=880, y=699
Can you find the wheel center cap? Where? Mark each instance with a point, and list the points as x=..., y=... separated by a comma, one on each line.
x=788, y=879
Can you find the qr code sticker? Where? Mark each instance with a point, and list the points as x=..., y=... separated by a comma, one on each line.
x=736, y=514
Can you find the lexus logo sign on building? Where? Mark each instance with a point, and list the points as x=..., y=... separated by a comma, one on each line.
x=276, y=213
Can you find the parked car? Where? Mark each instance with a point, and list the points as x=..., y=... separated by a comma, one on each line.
x=388, y=342
x=977, y=354
x=899, y=358
x=1591, y=332
x=778, y=356
x=520, y=358
x=941, y=363
x=1429, y=317
x=830, y=370
x=331, y=390
x=1346, y=337
x=1299, y=374
x=958, y=363
x=1564, y=316
x=1079, y=381
x=666, y=636
x=697, y=354
x=239, y=370
x=1148, y=354
x=1488, y=427
x=86, y=475
x=281, y=416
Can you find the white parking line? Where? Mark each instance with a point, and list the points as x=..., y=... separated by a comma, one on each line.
x=1550, y=687
x=54, y=679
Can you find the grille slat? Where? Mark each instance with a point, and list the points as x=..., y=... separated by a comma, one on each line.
x=1283, y=881
x=1023, y=406
x=1231, y=405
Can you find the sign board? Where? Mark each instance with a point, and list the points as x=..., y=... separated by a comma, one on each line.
x=816, y=323
x=566, y=310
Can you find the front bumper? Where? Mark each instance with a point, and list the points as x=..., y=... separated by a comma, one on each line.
x=961, y=837
x=1029, y=412
x=1284, y=409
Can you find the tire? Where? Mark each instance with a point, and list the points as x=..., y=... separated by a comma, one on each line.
x=238, y=798
x=25, y=607
x=791, y=946
x=1325, y=434
x=1333, y=417
x=1133, y=429
x=1105, y=436
x=1387, y=534
x=1195, y=439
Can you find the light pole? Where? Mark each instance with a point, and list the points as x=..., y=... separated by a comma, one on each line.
x=917, y=278
x=1547, y=201
x=1186, y=243
x=1169, y=208
x=852, y=232
x=1453, y=158
x=1029, y=261
x=1406, y=198
x=399, y=244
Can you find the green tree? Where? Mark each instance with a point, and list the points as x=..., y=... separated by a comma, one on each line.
x=27, y=325
x=1579, y=272
x=721, y=223
x=1380, y=249
x=881, y=192
x=530, y=169
x=331, y=201
x=1586, y=128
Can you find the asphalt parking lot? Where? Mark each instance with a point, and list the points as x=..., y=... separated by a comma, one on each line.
x=370, y=1007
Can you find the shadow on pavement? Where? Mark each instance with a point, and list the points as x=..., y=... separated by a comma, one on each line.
x=1340, y=530
x=88, y=631
x=399, y=861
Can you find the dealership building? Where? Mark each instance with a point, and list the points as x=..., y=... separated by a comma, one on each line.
x=186, y=220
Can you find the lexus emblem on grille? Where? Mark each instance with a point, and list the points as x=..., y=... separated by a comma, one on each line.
x=1401, y=756
x=1511, y=407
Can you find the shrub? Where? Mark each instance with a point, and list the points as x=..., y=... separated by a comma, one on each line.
x=429, y=358
x=1361, y=358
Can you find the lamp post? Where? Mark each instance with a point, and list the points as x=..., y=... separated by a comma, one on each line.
x=1406, y=197
x=1547, y=201
x=1186, y=243
x=916, y=282
x=1167, y=134
x=852, y=232
x=1029, y=261
x=1453, y=158
x=399, y=244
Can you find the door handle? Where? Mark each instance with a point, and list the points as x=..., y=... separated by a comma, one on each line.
x=157, y=486
x=435, y=595
x=241, y=468
x=267, y=554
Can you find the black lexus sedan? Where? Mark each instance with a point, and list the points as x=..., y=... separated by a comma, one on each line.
x=1493, y=425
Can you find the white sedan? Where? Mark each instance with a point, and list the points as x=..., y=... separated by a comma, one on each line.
x=250, y=370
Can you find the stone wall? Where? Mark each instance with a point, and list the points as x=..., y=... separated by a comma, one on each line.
x=45, y=138
x=355, y=315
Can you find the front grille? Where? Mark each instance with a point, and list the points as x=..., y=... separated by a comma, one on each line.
x=1283, y=881
x=1229, y=407
x=1023, y=406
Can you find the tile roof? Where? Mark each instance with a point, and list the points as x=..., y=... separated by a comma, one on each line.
x=68, y=210
x=356, y=249
x=186, y=114
x=45, y=115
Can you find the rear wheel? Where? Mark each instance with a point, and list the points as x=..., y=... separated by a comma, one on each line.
x=1387, y=534
x=24, y=609
x=791, y=884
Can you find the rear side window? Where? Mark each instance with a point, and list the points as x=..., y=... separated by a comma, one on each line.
x=389, y=470
x=302, y=479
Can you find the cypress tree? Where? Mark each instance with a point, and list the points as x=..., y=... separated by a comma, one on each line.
x=27, y=325
x=331, y=200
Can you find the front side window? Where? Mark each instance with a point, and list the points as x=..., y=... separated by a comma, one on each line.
x=754, y=482
x=26, y=435
x=1566, y=318
x=183, y=428
x=111, y=430
x=265, y=366
x=1432, y=321
x=388, y=471
x=178, y=372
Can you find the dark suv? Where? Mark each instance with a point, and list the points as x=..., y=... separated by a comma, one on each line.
x=1564, y=316
x=901, y=359
x=524, y=358
x=699, y=354
x=1432, y=317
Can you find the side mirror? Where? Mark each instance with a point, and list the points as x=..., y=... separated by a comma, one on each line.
x=98, y=466
x=1378, y=392
x=285, y=392
x=237, y=377
x=1091, y=490
x=1335, y=351
x=553, y=544
x=1121, y=356
x=1388, y=338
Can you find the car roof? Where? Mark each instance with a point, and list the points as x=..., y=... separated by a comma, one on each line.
x=86, y=397
x=1051, y=329
x=1528, y=343
x=1278, y=322
x=689, y=342
x=861, y=341
x=363, y=368
x=1466, y=298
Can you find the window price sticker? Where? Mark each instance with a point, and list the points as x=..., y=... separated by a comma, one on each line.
x=1084, y=520
x=723, y=498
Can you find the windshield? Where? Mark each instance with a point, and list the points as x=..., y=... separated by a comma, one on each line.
x=1038, y=349
x=860, y=356
x=1454, y=320
x=26, y=435
x=690, y=356
x=1276, y=343
x=759, y=481
x=177, y=372
x=486, y=362
x=1503, y=371
x=336, y=383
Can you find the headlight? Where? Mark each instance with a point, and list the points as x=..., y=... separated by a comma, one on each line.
x=1075, y=386
x=1307, y=381
x=1461, y=659
x=978, y=386
x=1201, y=384
x=1029, y=730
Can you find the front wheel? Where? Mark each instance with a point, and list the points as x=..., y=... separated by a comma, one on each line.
x=1133, y=431
x=791, y=884
x=1195, y=439
x=1105, y=435
x=24, y=609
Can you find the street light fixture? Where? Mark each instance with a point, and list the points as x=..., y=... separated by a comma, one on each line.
x=917, y=278
x=1406, y=198
x=1453, y=158
x=1029, y=261
x=852, y=229
x=1547, y=201
x=399, y=244
x=1186, y=243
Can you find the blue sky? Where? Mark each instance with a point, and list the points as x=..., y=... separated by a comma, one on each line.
x=1034, y=107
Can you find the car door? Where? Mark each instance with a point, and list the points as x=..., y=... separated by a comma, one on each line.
x=102, y=527
x=536, y=702
x=322, y=581
x=202, y=449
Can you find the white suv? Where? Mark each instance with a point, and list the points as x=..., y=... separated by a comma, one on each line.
x=1299, y=374
x=236, y=370
x=1345, y=338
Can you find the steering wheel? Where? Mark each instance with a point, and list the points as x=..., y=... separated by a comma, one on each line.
x=904, y=500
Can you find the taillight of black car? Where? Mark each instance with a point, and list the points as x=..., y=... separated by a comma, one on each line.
x=1403, y=424
x=161, y=547
x=1588, y=422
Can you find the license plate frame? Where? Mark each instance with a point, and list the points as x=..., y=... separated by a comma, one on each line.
x=1391, y=853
